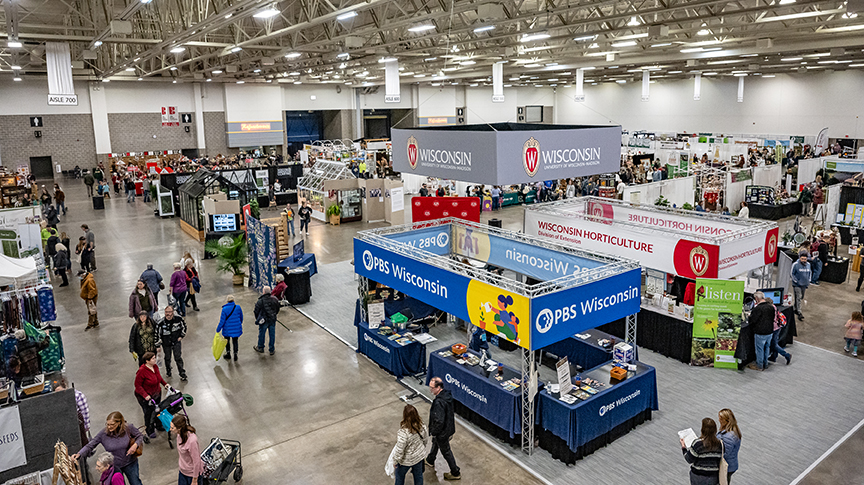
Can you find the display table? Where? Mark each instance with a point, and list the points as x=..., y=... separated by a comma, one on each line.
x=835, y=270
x=774, y=212
x=299, y=287
x=510, y=198
x=479, y=396
x=571, y=431
x=285, y=198
x=846, y=233
x=672, y=336
x=399, y=360
x=288, y=264
x=585, y=353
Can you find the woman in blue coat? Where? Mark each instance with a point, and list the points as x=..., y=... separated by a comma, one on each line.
x=231, y=325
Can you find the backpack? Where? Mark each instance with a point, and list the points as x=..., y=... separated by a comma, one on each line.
x=779, y=319
x=814, y=247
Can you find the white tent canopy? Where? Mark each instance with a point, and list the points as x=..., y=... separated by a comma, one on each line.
x=14, y=270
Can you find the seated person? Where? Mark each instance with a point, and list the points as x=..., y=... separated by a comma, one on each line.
x=279, y=290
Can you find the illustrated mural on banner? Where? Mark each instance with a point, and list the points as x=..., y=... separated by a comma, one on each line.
x=12, y=452
x=170, y=116
x=717, y=319
x=261, y=239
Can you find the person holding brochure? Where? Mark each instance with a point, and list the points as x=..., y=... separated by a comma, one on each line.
x=703, y=454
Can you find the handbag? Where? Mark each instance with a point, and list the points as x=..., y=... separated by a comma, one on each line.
x=196, y=284
x=91, y=307
x=724, y=466
x=161, y=285
x=139, y=450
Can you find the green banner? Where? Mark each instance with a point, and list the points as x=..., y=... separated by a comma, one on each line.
x=717, y=318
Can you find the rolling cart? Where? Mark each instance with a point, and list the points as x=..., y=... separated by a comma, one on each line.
x=221, y=458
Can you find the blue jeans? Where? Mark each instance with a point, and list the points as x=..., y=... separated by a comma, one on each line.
x=131, y=472
x=262, y=331
x=180, y=306
x=775, y=346
x=184, y=480
x=416, y=471
x=763, y=348
x=817, y=270
x=304, y=224
x=61, y=205
x=291, y=227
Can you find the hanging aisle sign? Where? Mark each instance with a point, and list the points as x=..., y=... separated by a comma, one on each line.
x=12, y=453
x=58, y=61
x=579, y=85
x=717, y=319
x=497, y=83
x=391, y=82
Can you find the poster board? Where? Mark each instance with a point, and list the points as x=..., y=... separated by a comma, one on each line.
x=12, y=452
x=717, y=319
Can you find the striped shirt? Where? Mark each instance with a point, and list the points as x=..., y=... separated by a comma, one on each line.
x=83, y=408
x=703, y=462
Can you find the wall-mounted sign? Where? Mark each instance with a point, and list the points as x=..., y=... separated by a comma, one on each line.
x=62, y=100
x=170, y=116
x=186, y=117
x=36, y=122
x=252, y=127
x=436, y=120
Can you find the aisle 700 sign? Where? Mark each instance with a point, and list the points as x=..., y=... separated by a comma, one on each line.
x=63, y=100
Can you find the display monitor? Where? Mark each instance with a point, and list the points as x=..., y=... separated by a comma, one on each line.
x=773, y=294
x=223, y=222
x=298, y=251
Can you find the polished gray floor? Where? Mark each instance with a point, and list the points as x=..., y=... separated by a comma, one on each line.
x=312, y=414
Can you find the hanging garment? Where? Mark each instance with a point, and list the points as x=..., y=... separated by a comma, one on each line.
x=53, y=358
x=47, y=311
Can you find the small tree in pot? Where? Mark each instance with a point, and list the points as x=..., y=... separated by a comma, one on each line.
x=334, y=214
x=230, y=256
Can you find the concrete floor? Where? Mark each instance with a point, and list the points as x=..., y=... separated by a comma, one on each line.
x=312, y=414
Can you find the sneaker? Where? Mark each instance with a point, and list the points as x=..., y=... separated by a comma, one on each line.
x=815, y=283
x=426, y=462
x=753, y=366
x=183, y=378
x=146, y=439
x=227, y=357
x=448, y=476
x=152, y=435
x=846, y=349
x=854, y=354
x=801, y=316
x=788, y=359
x=168, y=373
x=272, y=352
x=235, y=357
x=259, y=350
x=195, y=308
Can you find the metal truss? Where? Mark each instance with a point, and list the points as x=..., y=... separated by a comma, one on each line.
x=363, y=292
x=630, y=334
x=529, y=392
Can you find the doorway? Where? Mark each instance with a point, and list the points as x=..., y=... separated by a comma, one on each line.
x=41, y=167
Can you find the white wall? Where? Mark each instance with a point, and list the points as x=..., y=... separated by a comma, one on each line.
x=30, y=97
x=479, y=107
x=147, y=97
x=298, y=97
x=247, y=102
x=437, y=101
x=212, y=97
x=376, y=101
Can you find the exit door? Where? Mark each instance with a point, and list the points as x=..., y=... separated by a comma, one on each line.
x=41, y=167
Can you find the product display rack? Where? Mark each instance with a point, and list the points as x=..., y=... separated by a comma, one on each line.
x=10, y=191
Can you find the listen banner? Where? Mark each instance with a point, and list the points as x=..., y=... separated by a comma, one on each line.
x=717, y=318
x=12, y=454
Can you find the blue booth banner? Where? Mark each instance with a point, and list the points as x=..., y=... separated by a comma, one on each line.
x=261, y=240
x=435, y=240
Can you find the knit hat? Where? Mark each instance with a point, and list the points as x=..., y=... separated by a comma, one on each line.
x=803, y=252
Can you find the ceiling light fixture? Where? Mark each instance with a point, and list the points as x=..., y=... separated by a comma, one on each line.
x=801, y=15
x=16, y=79
x=106, y=80
x=467, y=63
x=141, y=79
x=174, y=82
x=341, y=55
x=228, y=16
x=97, y=43
x=485, y=28
x=587, y=37
x=674, y=72
x=703, y=32
x=346, y=16
x=266, y=13
x=145, y=2
x=16, y=68
x=533, y=37
x=692, y=49
x=621, y=81
x=421, y=28
x=749, y=55
x=664, y=44
x=236, y=49
x=173, y=68
x=633, y=22
x=856, y=65
x=217, y=71
x=789, y=59
x=130, y=69
x=709, y=74
x=626, y=43
x=786, y=2
x=14, y=44
x=178, y=50
x=384, y=60
x=257, y=70
x=293, y=55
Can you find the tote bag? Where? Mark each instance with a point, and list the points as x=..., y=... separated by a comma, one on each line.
x=724, y=467
x=219, y=343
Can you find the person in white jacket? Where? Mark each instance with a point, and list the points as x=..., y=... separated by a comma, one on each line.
x=410, y=446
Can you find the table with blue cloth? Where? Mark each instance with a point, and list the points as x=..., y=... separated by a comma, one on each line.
x=399, y=360
x=288, y=264
x=571, y=431
x=584, y=353
x=479, y=397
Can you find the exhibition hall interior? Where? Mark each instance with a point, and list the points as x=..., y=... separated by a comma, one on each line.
x=465, y=241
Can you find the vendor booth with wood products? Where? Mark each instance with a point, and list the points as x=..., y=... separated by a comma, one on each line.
x=573, y=291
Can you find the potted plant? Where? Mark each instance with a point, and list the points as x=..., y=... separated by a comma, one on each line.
x=662, y=202
x=230, y=256
x=687, y=206
x=334, y=214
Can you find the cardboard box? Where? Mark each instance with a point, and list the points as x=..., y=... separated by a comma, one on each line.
x=623, y=352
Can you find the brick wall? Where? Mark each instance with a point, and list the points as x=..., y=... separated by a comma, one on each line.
x=68, y=139
x=214, y=134
x=134, y=132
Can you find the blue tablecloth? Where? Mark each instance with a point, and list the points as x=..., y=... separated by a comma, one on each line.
x=584, y=421
x=417, y=307
x=479, y=393
x=289, y=263
x=587, y=353
x=394, y=358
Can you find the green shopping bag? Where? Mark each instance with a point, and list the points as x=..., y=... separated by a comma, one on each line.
x=219, y=343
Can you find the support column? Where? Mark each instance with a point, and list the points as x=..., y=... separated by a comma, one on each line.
x=99, y=113
x=529, y=391
x=198, y=94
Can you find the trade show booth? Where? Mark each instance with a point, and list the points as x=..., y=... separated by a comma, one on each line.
x=557, y=292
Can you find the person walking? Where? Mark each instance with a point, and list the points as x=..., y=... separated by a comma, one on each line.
x=193, y=284
x=854, y=331
x=289, y=219
x=153, y=280
x=61, y=261
x=442, y=427
x=122, y=440
x=266, y=311
x=90, y=240
x=704, y=455
x=130, y=189
x=231, y=325
x=88, y=182
x=170, y=330
x=730, y=435
x=779, y=323
x=143, y=337
x=819, y=250
x=305, y=214
x=84, y=254
x=148, y=391
x=762, y=322
x=59, y=199
x=190, y=464
x=800, y=279
x=141, y=300
x=51, y=216
x=179, y=288
x=89, y=293
x=410, y=446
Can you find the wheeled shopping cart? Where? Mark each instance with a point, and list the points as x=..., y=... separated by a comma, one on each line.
x=221, y=458
x=169, y=407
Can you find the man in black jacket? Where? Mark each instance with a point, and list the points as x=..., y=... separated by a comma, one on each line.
x=762, y=322
x=442, y=427
x=266, y=311
x=171, y=330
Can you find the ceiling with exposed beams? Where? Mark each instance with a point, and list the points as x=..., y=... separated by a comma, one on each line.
x=540, y=42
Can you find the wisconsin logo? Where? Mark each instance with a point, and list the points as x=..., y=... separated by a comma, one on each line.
x=531, y=156
x=772, y=246
x=699, y=260
x=413, y=151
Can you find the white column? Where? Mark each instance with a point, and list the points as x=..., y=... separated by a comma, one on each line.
x=99, y=113
x=646, y=82
x=198, y=94
x=697, y=87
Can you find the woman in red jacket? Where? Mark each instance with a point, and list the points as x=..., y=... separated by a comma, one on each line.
x=147, y=390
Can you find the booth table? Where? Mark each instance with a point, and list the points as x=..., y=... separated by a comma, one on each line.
x=479, y=396
x=846, y=233
x=399, y=360
x=835, y=270
x=571, y=431
x=774, y=212
x=671, y=335
x=288, y=264
x=585, y=353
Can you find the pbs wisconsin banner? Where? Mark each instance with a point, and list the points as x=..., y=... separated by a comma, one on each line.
x=717, y=319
